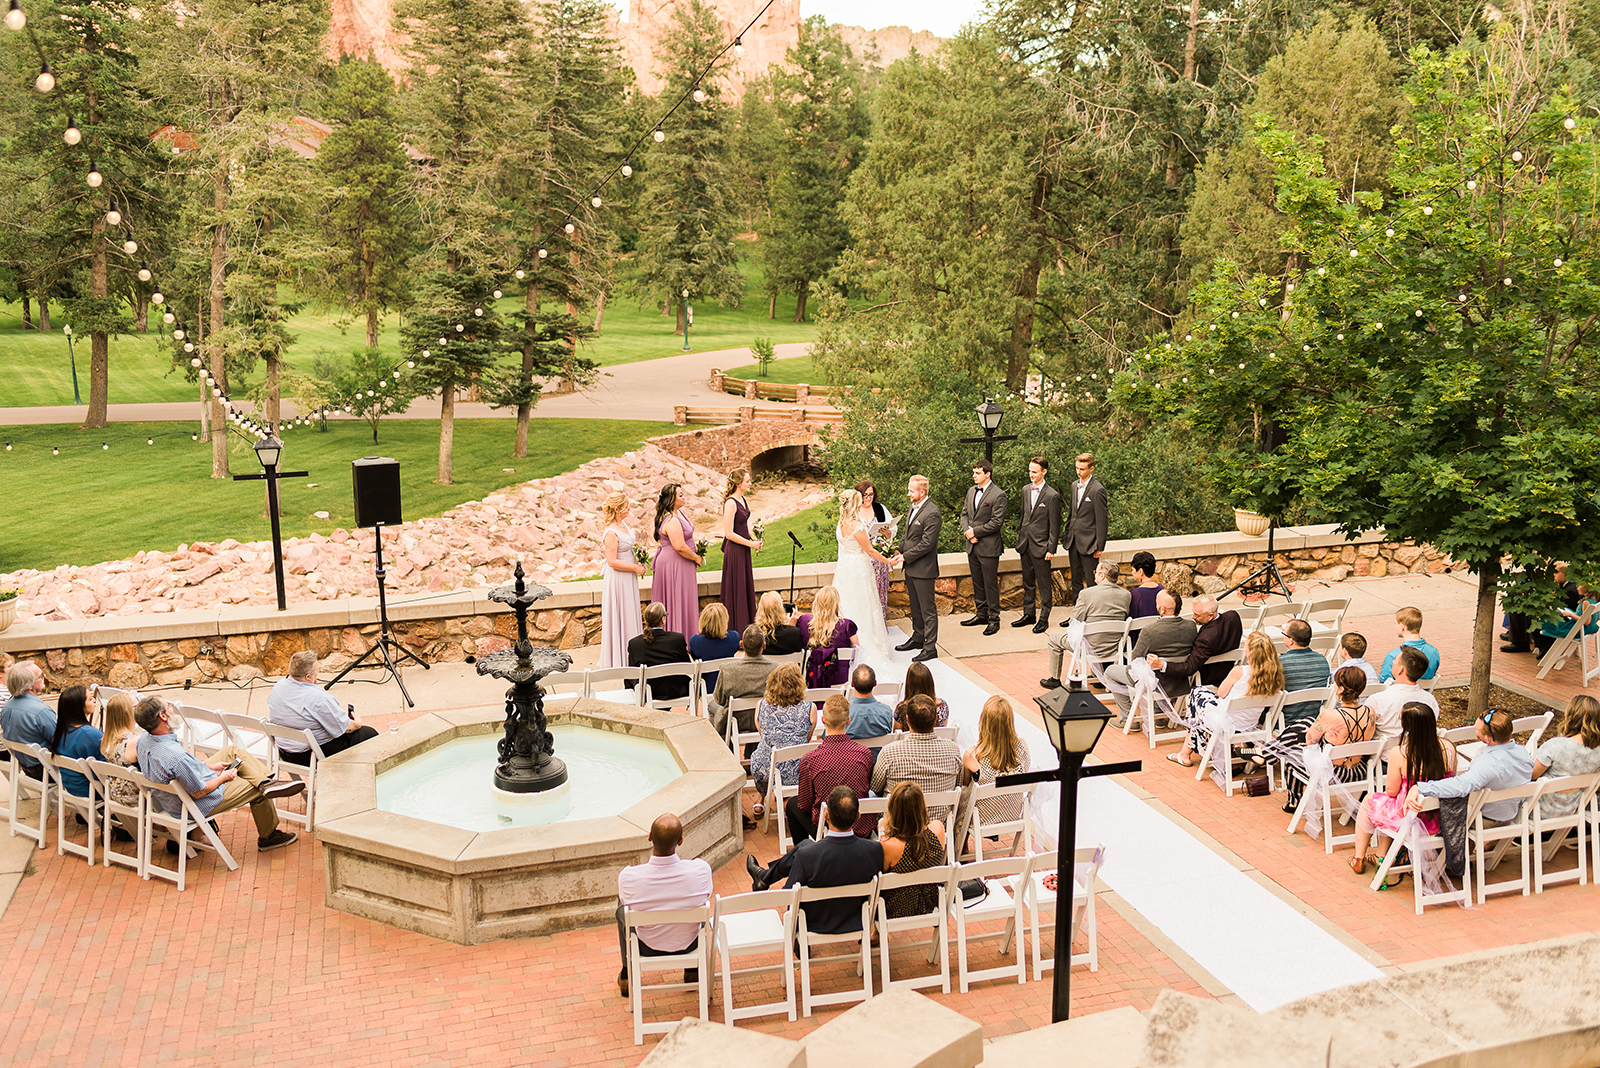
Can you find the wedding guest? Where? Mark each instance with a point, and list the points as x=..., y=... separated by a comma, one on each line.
x=715, y=641
x=825, y=634
x=911, y=842
x=657, y=646
x=1408, y=626
x=744, y=679
x=1261, y=675
x=1421, y=756
x=676, y=584
x=875, y=517
x=919, y=682
x=619, y=594
x=784, y=718
x=119, y=745
x=1347, y=721
x=1353, y=651
x=783, y=637
x=1576, y=751
x=1555, y=627
x=1000, y=751
x=924, y=758
x=74, y=737
x=25, y=718
x=1142, y=598
x=738, y=547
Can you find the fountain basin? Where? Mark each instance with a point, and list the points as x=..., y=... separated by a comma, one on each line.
x=470, y=886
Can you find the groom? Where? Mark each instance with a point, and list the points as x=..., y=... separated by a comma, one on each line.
x=919, y=556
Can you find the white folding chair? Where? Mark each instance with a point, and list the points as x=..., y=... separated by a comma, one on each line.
x=1574, y=641
x=204, y=732
x=760, y=922
x=1465, y=738
x=1490, y=843
x=1273, y=617
x=114, y=814
x=698, y=958
x=1327, y=617
x=880, y=741
x=887, y=692
x=87, y=806
x=1347, y=794
x=781, y=793
x=1391, y=865
x=611, y=684
x=737, y=740
x=938, y=943
x=1145, y=703
x=177, y=828
x=24, y=787
x=1038, y=900
x=1269, y=722
x=268, y=735
x=1289, y=755
x=999, y=878
x=1020, y=828
x=689, y=672
x=709, y=670
x=1250, y=616
x=564, y=686
x=866, y=806
x=806, y=939
x=1080, y=669
x=947, y=733
x=1324, y=645
x=1581, y=790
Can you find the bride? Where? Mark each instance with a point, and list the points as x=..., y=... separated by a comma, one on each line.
x=857, y=583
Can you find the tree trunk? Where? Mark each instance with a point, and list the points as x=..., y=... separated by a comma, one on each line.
x=800, y=295
x=219, y=370
x=99, y=345
x=141, y=314
x=1483, y=628
x=372, y=328
x=530, y=304
x=44, y=314
x=1020, y=348
x=599, y=309
x=683, y=315
x=772, y=305
x=1190, y=46
x=274, y=401
x=447, y=429
x=27, y=311
x=368, y=266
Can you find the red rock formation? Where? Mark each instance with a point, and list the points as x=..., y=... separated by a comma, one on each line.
x=363, y=27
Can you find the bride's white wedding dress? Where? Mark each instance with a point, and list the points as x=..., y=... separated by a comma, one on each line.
x=857, y=584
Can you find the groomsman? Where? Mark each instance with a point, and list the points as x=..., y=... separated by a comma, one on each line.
x=1087, y=527
x=1037, y=538
x=983, y=513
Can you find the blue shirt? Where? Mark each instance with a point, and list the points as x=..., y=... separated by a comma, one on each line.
x=1302, y=670
x=163, y=759
x=1386, y=672
x=27, y=720
x=703, y=648
x=1366, y=668
x=869, y=718
x=305, y=706
x=1498, y=767
x=80, y=743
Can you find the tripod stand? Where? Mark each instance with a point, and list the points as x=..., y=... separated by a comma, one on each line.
x=385, y=640
x=1266, y=578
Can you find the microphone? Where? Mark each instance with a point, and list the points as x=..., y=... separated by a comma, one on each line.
x=794, y=539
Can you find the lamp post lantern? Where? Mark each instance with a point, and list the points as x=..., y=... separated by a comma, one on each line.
x=72, y=357
x=1074, y=719
x=269, y=450
x=990, y=416
x=688, y=320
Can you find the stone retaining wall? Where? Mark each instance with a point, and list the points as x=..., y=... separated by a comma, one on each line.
x=242, y=642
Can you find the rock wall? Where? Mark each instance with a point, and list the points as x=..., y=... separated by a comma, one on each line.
x=879, y=48
x=766, y=44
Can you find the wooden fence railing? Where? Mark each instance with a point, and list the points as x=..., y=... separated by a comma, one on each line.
x=683, y=415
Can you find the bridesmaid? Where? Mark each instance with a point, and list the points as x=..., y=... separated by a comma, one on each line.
x=619, y=596
x=738, y=572
x=676, y=584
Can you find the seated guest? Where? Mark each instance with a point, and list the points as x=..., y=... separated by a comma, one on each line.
x=1420, y=756
x=216, y=787
x=1347, y=721
x=869, y=717
x=922, y=757
x=1387, y=703
x=1105, y=601
x=784, y=718
x=783, y=637
x=1261, y=675
x=1557, y=625
x=825, y=633
x=74, y=737
x=1574, y=751
x=664, y=883
x=999, y=752
x=1302, y=670
x=742, y=681
x=713, y=642
x=1168, y=637
x=297, y=702
x=657, y=646
x=911, y=842
x=837, y=759
x=25, y=718
x=1516, y=633
x=1145, y=591
x=839, y=858
x=919, y=683
x=1353, y=651
x=1499, y=765
x=1219, y=633
x=119, y=745
x=1408, y=625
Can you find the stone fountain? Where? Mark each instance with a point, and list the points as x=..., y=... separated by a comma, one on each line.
x=528, y=764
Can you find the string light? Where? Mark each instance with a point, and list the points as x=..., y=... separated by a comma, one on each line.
x=45, y=81
x=699, y=94
x=71, y=135
x=94, y=177
x=113, y=216
x=144, y=272
x=738, y=50
x=595, y=200
x=15, y=20
x=157, y=298
x=627, y=170
x=1570, y=124
x=1516, y=157
x=659, y=135
x=543, y=253
x=570, y=228
x=497, y=294
x=168, y=318
x=130, y=246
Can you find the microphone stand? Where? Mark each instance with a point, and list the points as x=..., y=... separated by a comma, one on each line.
x=792, y=550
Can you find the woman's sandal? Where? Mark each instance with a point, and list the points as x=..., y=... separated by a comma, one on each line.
x=1359, y=864
x=1179, y=761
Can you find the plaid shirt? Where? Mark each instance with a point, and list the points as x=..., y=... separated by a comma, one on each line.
x=931, y=762
x=839, y=760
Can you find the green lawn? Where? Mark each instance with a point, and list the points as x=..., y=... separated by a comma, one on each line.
x=814, y=528
x=106, y=505
x=789, y=372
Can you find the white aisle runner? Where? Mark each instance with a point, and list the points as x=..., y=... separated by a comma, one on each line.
x=1251, y=941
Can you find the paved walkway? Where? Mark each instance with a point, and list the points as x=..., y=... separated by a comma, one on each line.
x=644, y=390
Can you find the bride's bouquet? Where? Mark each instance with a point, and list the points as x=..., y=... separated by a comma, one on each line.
x=883, y=541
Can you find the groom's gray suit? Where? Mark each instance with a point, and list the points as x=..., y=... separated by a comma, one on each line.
x=919, y=544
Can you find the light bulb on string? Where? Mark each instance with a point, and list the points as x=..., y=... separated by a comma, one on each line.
x=8, y=446
x=15, y=20
x=627, y=170
x=113, y=216
x=177, y=335
x=543, y=253
x=94, y=177
x=738, y=50
x=216, y=394
x=570, y=228
x=45, y=81
x=1571, y=124
x=477, y=311
x=659, y=135
x=699, y=95
x=168, y=318
x=460, y=327
x=1516, y=157
x=188, y=346
x=426, y=354
x=195, y=362
x=55, y=450
x=72, y=135
x=1471, y=185
x=157, y=298
x=411, y=363
x=149, y=441
x=595, y=200
x=131, y=247
x=144, y=273
x=194, y=437
x=105, y=446
x=520, y=274
x=497, y=294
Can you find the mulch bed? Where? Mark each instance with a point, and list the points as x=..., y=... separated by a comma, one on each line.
x=1453, y=705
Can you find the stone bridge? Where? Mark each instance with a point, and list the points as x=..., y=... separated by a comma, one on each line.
x=761, y=442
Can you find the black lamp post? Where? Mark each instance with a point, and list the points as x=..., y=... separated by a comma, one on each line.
x=990, y=416
x=72, y=357
x=688, y=320
x=269, y=450
x=1074, y=719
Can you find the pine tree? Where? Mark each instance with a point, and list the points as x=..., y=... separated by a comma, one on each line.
x=687, y=216
x=455, y=336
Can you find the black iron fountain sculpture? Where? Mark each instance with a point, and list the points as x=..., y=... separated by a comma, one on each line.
x=527, y=761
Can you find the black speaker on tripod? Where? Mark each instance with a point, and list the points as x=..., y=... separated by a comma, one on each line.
x=376, y=480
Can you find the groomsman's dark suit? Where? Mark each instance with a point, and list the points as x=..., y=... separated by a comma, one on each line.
x=983, y=511
x=1087, y=526
x=1038, y=533
x=919, y=544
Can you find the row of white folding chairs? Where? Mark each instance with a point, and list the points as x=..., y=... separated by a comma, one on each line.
x=632, y=684
x=774, y=922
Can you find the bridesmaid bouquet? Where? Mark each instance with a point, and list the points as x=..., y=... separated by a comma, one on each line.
x=701, y=546
x=641, y=554
x=756, y=527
